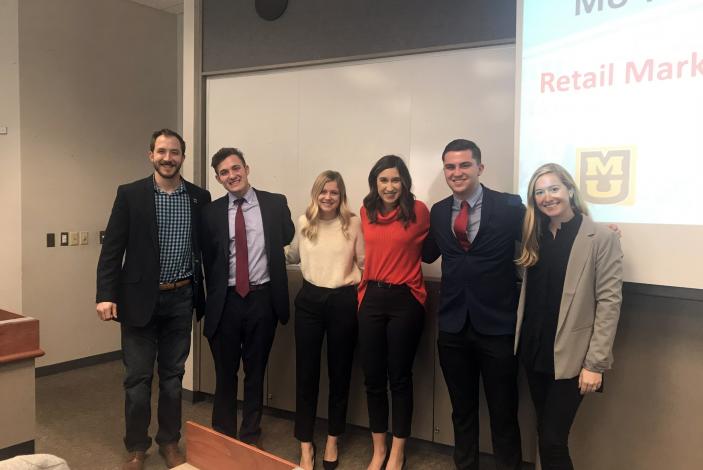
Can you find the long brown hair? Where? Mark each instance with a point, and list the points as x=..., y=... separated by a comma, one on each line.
x=534, y=219
x=406, y=201
x=312, y=213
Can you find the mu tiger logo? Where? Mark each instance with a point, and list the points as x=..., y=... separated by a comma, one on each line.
x=606, y=175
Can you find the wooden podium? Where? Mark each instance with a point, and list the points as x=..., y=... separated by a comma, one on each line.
x=209, y=450
x=19, y=345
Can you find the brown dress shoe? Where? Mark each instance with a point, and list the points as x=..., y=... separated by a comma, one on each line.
x=172, y=454
x=135, y=461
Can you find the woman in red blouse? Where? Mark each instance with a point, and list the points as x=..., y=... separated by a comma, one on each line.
x=391, y=303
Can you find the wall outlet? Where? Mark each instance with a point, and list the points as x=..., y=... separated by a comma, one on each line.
x=64, y=238
x=101, y=236
x=50, y=240
x=72, y=238
x=83, y=236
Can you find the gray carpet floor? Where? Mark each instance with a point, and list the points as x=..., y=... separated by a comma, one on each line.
x=80, y=418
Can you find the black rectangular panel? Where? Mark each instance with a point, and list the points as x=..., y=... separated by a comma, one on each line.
x=234, y=37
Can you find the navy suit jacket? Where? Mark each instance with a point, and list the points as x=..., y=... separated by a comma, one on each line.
x=481, y=282
x=278, y=232
x=129, y=266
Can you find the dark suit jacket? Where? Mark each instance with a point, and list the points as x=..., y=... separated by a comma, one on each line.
x=132, y=235
x=481, y=282
x=278, y=232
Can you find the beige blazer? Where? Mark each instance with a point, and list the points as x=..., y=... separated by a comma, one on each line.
x=590, y=303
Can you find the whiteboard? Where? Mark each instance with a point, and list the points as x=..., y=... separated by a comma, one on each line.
x=292, y=124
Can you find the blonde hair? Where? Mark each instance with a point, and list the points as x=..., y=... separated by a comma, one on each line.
x=312, y=213
x=534, y=219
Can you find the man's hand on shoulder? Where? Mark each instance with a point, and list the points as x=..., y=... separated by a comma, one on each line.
x=106, y=310
x=616, y=229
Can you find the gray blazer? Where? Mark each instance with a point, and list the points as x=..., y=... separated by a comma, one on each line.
x=590, y=303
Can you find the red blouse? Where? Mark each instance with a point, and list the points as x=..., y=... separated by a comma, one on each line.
x=394, y=252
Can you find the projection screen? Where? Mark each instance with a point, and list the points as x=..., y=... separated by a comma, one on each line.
x=613, y=91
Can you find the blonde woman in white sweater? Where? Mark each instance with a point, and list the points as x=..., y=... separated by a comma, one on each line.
x=329, y=246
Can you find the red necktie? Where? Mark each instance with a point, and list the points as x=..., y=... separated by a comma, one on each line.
x=241, y=256
x=461, y=224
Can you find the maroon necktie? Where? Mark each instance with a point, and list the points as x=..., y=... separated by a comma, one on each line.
x=241, y=256
x=461, y=224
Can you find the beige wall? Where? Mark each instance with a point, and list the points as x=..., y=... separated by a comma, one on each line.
x=179, y=75
x=96, y=78
x=650, y=416
x=10, y=203
x=190, y=83
x=189, y=66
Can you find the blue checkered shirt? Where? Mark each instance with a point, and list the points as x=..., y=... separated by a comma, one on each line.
x=173, y=222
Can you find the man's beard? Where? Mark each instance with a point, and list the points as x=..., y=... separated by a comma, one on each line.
x=158, y=168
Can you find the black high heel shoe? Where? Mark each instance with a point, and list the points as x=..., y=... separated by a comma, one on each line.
x=330, y=464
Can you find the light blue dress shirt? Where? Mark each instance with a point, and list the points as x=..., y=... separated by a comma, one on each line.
x=258, y=261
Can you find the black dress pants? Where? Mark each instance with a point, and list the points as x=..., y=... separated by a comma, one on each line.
x=556, y=403
x=245, y=333
x=318, y=311
x=390, y=324
x=464, y=356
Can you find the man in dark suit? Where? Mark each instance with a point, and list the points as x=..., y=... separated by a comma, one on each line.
x=243, y=236
x=475, y=230
x=149, y=278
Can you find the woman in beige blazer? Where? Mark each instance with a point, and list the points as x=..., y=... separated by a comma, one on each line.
x=569, y=306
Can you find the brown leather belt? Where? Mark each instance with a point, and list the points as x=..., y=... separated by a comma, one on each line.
x=174, y=285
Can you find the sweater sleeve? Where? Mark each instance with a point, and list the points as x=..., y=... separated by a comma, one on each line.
x=423, y=218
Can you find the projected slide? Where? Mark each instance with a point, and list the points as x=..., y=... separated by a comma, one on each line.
x=613, y=91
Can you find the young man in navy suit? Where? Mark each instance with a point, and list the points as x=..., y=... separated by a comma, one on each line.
x=475, y=230
x=243, y=236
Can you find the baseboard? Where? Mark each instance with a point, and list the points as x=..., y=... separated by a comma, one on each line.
x=78, y=363
x=23, y=448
